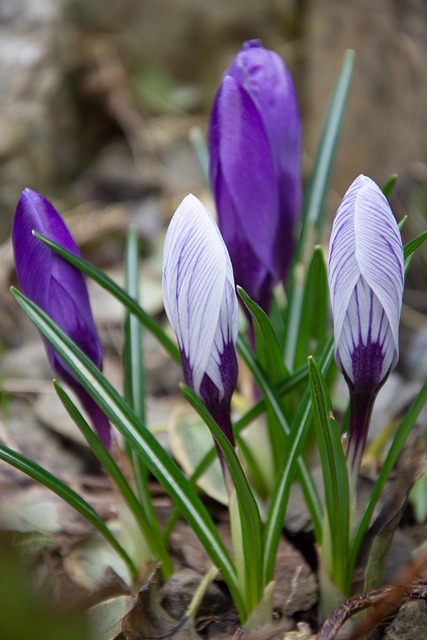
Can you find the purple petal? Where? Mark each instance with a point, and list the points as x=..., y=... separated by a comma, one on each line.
x=242, y=173
x=98, y=418
x=55, y=286
x=255, y=151
x=250, y=272
x=199, y=297
x=264, y=75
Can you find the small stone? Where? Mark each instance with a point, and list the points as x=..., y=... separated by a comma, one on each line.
x=296, y=585
x=179, y=590
x=410, y=622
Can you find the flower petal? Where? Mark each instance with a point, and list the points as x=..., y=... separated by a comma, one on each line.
x=366, y=282
x=255, y=169
x=241, y=165
x=366, y=352
x=379, y=251
x=197, y=277
x=264, y=75
x=58, y=288
x=219, y=368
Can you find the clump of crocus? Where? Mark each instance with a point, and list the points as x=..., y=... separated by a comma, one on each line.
x=366, y=277
x=59, y=289
x=201, y=304
x=255, y=146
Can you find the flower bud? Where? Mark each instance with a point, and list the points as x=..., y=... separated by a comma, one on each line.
x=366, y=278
x=255, y=146
x=201, y=304
x=59, y=289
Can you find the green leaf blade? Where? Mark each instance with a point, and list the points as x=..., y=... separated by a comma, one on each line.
x=399, y=440
x=313, y=326
x=141, y=440
x=120, y=294
x=33, y=470
x=313, y=214
x=251, y=520
x=335, y=477
x=293, y=461
x=155, y=542
x=268, y=347
x=413, y=244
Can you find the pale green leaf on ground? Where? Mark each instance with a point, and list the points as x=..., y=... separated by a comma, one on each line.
x=104, y=620
x=191, y=440
x=92, y=561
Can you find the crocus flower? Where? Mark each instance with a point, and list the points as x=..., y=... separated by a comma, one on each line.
x=59, y=289
x=255, y=145
x=366, y=274
x=201, y=304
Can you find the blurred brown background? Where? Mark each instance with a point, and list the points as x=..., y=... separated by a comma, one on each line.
x=96, y=98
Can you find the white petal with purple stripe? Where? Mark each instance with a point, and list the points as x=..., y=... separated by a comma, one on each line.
x=366, y=274
x=198, y=291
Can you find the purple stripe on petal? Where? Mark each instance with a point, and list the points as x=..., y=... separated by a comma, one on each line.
x=365, y=272
x=200, y=302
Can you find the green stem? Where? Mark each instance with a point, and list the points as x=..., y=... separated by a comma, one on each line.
x=135, y=395
x=273, y=400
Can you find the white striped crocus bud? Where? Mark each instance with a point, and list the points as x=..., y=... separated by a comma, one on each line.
x=366, y=278
x=201, y=305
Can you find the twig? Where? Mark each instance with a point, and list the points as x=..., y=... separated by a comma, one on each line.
x=386, y=598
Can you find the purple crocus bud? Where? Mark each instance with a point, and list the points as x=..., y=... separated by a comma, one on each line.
x=255, y=147
x=59, y=289
x=201, y=304
x=366, y=277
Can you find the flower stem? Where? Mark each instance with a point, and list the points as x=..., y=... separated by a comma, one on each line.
x=361, y=406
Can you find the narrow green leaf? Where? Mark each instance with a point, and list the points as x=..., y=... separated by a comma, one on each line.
x=154, y=541
x=251, y=521
x=314, y=206
x=273, y=401
x=402, y=223
x=142, y=441
x=284, y=388
x=253, y=469
x=314, y=315
x=413, y=244
x=418, y=499
x=276, y=313
x=335, y=476
x=203, y=465
x=318, y=186
x=389, y=185
x=291, y=462
x=133, y=361
x=408, y=264
x=134, y=379
x=399, y=440
x=120, y=294
x=200, y=147
x=33, y=470
x=268, y=347
x=270, y=356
